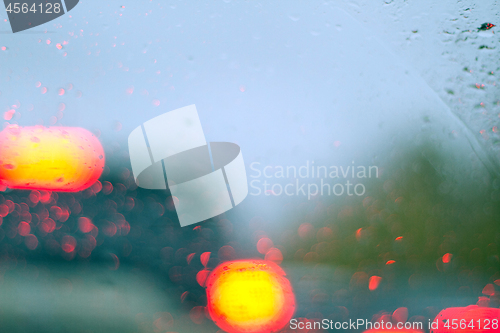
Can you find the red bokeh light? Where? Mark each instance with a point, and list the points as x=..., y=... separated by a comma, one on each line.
x=447, y=258
x=264, y=244
x=48, y=225
x=85, y=224
x=374, y=282
x=274, y=255
x=24, y=229
x=31, y=242
x=204, y=258
x=68, y=244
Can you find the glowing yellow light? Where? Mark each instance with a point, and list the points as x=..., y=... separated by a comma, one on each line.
x=250, y=296
x=53, y=158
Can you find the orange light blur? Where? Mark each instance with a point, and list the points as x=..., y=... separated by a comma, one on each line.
x=250, y=296
x=66, y=159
